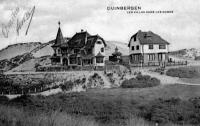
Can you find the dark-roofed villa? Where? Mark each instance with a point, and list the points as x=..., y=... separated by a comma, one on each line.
x=82, y=49
x=146, y=48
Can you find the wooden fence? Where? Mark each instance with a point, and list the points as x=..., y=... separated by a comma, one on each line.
x=162, y=64
x=81, y=68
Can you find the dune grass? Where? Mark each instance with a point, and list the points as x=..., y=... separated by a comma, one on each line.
x=11, y=116
x=109, y=107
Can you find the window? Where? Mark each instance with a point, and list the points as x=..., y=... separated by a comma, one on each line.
x=87, y=61
x=137, y=57
x=161, y=56
x=137, y=47
x=150, y=46
x=162, y=46
x=151, y=57
x=132, y=47
x=99, y=59
x=134, y=38
x=102, y=49
x=59, y=51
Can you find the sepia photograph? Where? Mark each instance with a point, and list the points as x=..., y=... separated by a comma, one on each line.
x=99, y=63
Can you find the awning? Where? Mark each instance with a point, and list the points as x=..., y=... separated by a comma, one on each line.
x=99, y=55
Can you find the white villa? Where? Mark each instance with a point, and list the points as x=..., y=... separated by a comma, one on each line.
x=148, y=48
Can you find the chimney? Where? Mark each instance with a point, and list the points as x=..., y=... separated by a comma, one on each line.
x=82, y=30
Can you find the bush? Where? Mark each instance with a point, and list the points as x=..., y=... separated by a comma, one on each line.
x=141, y=81
x=68, y=85
x=172, y=110
x=116, y=110
x=182, y=72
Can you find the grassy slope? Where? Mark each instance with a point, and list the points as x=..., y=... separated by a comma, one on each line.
x=147, y=94
x=188, y=74
x=114, y=102
x=30, y=64
x=17, y=49
x=44, y=49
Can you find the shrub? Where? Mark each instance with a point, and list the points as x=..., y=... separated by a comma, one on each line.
x=172, y=110
x=141, y=81
x=182, y=72
x=95, y=75
x=116, y=110
x=68, y=85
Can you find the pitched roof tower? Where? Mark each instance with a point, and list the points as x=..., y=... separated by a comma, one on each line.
x=59, y=38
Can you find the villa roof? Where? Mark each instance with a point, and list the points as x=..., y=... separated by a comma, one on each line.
x=78, y=40
x=148, y=38
x=84, y=39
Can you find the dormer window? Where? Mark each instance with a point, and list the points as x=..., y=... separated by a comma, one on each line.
x=145, y=35
x=98, y=42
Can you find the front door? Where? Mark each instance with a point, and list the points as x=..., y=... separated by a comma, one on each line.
x=65, y=62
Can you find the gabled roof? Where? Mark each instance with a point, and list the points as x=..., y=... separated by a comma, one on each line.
x=82, y=39
x=92, y=39
x=78, y=40
x=59, y=38
x=99, y=55
x=148, y=38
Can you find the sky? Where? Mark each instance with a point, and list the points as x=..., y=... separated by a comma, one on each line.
x=180, y=28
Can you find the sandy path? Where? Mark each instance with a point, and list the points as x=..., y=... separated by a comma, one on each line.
x=107, y=83
x=166, y=79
